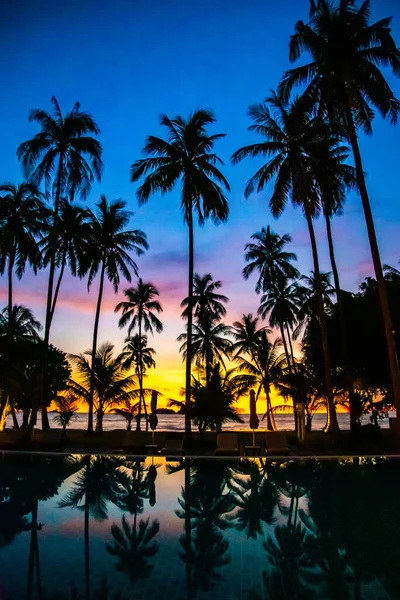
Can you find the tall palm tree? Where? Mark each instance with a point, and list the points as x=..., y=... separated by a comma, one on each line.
x=210, y=344
x=22, y=218
x=139, y=310
x=68, y=158
x=282, y=303
x=290, y=134
x=71, y=241
x=264, y=365
x=111, y=385
x=206, y=300
x=268, y=256
x=109, y=244
x=186, y=156
x=137, y=354
x=344, y=77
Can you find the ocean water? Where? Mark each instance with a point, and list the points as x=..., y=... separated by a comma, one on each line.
x=112, y=528
x=176, y=422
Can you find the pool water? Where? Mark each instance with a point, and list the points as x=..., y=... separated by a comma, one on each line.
x=116, y=528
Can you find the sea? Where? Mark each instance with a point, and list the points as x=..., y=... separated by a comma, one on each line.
x=176, y=422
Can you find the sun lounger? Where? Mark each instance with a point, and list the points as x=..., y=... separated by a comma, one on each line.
x=227, y=443
x=276, y=443
x=173, y=447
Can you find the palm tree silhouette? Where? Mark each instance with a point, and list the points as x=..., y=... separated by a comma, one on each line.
x=345, y=79
x=139, y=310
x=290, y=134
x=22, y=216
x=207, y=302
x=268, y=257
x=63, y=146
x=109, y=244
x=99, y=481
x=22, y=323
x=258, y=358
x=111, y=384
x=210, y=344
x=255, y=496
x=282, y=304
x=70, y=245
x=187, y=157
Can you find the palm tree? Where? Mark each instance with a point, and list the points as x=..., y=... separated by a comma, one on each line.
x=282, y=303
x=22, y=326
x=109, y=244
x=290, y=134
x=22, y=323
x=22, y=217
x=210, y=344
x=66, y=156
x=268, y=257
x=66, y=408
x=185, y=156
x=139, y=310
x=304, y=387
x=71, y=241
x=307, y=294
x=212, y=404
x=344, y=77
x=333, y=179
x=137, y=354
x=111, y=384
x=263, y=364
x=206, y=300
x=127, y=411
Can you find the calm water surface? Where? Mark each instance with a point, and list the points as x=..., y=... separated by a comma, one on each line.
x=108, y=528
x=177, y=423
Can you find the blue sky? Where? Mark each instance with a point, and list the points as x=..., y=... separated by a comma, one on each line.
x=127, y=62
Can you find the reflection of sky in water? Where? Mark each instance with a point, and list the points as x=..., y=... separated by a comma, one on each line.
x=246, y=564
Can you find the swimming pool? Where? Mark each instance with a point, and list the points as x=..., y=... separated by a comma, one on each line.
x=107, y=528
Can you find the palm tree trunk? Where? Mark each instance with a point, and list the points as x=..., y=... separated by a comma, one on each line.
x=332, y=423
x=11, y=260
x=94, y=347
x=139, y=372
x=355, y=410
x=4, y=393
x=14, y=418
x=381, y=285
x=285, y=347
x=270, y=424
x=99, y=420
x=53, y=242
x=291, y=347
x=53, y=307
x=188, y=430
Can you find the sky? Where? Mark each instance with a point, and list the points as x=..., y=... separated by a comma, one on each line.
x=127, y=62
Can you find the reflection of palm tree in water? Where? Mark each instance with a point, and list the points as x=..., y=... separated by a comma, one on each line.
x=287, y=548
x=99, y=481
x=134, y=544
x=205, y=506
x=255, y=495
